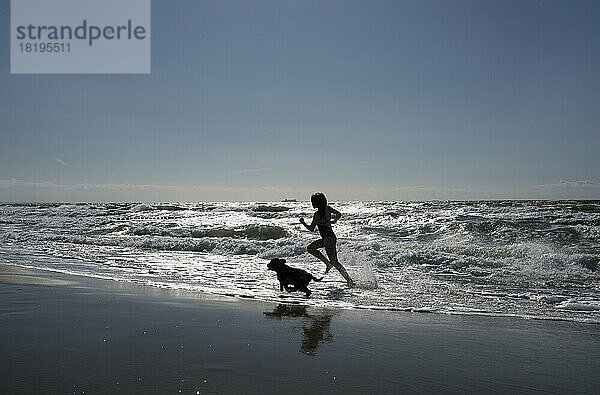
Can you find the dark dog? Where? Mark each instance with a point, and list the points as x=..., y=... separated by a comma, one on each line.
x=290, y=278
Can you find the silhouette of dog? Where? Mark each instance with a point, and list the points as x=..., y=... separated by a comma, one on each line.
x=290, y=278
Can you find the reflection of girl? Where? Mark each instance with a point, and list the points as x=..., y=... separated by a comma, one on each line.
x=322, y=220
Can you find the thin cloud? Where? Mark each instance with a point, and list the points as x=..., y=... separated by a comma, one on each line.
x=569, y=184
x=421, y=192
x=18, y=190
x=567, y=189
x=250, y=171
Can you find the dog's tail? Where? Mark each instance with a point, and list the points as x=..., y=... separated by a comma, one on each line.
x=316, y=279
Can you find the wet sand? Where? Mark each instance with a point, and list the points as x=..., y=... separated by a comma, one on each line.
x=70, y=334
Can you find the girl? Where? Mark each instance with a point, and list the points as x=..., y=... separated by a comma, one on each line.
x=322, y=220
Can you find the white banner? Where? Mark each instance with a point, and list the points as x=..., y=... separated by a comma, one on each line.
x=80, y=36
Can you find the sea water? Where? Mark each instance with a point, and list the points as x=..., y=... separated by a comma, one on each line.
x=535, y=259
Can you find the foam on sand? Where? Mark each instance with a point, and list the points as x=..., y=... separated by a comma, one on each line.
x=19, y=276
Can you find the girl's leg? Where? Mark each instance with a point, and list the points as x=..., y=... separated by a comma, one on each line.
x=332, y=254
x=313, y=250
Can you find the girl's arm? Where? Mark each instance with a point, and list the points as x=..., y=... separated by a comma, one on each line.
x=336, y=213
x=312, y=225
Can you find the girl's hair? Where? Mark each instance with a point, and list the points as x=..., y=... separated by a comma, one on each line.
x=319, y=200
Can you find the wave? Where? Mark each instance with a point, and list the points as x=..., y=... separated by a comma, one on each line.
x=224, y=246
x=251, y=232
x=578, y=306
x=142, y=207
x=169, y=207
x=514, y=263
x=271, y=209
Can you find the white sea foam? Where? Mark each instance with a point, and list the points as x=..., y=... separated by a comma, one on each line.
x=141, y=207
x=579, y=306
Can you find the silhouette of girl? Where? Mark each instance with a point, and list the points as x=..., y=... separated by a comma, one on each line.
x=322, y=219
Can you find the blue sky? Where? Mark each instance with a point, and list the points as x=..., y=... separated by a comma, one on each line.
x=264, y=100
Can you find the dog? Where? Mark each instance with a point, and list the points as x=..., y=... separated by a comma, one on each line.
x=290, y=278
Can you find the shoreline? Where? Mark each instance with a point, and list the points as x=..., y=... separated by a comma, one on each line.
x=286, y=299
x=65, y=333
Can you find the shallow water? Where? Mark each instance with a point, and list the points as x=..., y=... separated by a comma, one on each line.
x=534, y=259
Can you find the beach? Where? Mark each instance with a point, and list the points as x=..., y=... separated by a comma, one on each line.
x=427, y=171
x=73, y=334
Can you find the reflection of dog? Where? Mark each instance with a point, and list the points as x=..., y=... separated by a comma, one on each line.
x=290, y=278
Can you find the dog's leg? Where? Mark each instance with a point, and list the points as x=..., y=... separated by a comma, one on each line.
x=290, y=288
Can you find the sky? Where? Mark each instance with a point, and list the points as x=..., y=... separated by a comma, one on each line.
x=266, y=100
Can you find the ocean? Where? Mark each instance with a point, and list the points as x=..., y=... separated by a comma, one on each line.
x=530, y=259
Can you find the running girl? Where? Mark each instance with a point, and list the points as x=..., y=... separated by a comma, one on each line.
x=323, y=220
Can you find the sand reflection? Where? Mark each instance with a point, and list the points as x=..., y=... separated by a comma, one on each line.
x=315, y=326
